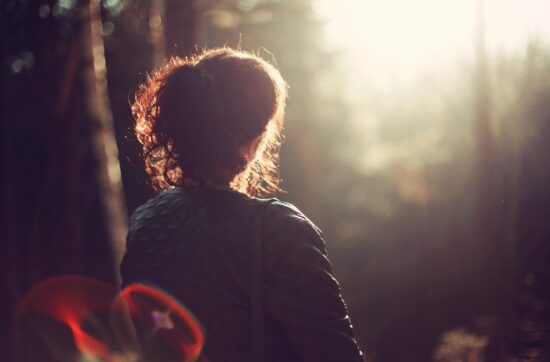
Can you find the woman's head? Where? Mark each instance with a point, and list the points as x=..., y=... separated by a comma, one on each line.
x=214, y=118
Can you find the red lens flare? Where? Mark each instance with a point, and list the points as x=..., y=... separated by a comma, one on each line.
x=71, y=301
x=165, y=326
x=73, y=318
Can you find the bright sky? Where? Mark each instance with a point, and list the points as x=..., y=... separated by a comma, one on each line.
x=402, y=36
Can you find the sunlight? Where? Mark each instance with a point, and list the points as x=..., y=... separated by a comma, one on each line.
x=395, y=39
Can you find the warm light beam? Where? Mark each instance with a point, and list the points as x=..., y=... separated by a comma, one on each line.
x=397, y=38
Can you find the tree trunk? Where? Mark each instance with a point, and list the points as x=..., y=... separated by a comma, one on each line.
x=61, y=218
x=180, y=32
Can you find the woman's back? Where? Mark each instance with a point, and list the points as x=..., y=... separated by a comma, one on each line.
x=217, y=119
x=196, y=246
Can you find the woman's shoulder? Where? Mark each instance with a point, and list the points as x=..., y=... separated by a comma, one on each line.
x=287, y=221
x=158, y=212
x=285, y=210
x=161, y=202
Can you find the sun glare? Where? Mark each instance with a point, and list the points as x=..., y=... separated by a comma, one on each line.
x=397, y=38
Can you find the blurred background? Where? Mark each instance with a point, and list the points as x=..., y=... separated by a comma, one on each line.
x=417, y=138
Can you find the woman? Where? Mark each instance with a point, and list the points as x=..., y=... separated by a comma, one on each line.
x=210, y=127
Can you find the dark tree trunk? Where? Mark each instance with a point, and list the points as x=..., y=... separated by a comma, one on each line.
x=180, y=27
x=55, y=129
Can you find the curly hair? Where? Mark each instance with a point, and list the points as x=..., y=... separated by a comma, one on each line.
x=194, y=115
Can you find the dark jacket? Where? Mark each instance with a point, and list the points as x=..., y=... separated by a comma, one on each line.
x=195, y=246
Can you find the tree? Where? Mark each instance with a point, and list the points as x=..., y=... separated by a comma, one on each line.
x=63, y=211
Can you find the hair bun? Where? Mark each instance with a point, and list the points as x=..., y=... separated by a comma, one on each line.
x=195, y=116
x=191, y=76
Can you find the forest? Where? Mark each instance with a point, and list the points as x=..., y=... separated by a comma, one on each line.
x=429, y=178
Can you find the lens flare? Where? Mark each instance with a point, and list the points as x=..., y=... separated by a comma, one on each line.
x=166, y=329
x=71, y=301
x=73, y=318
